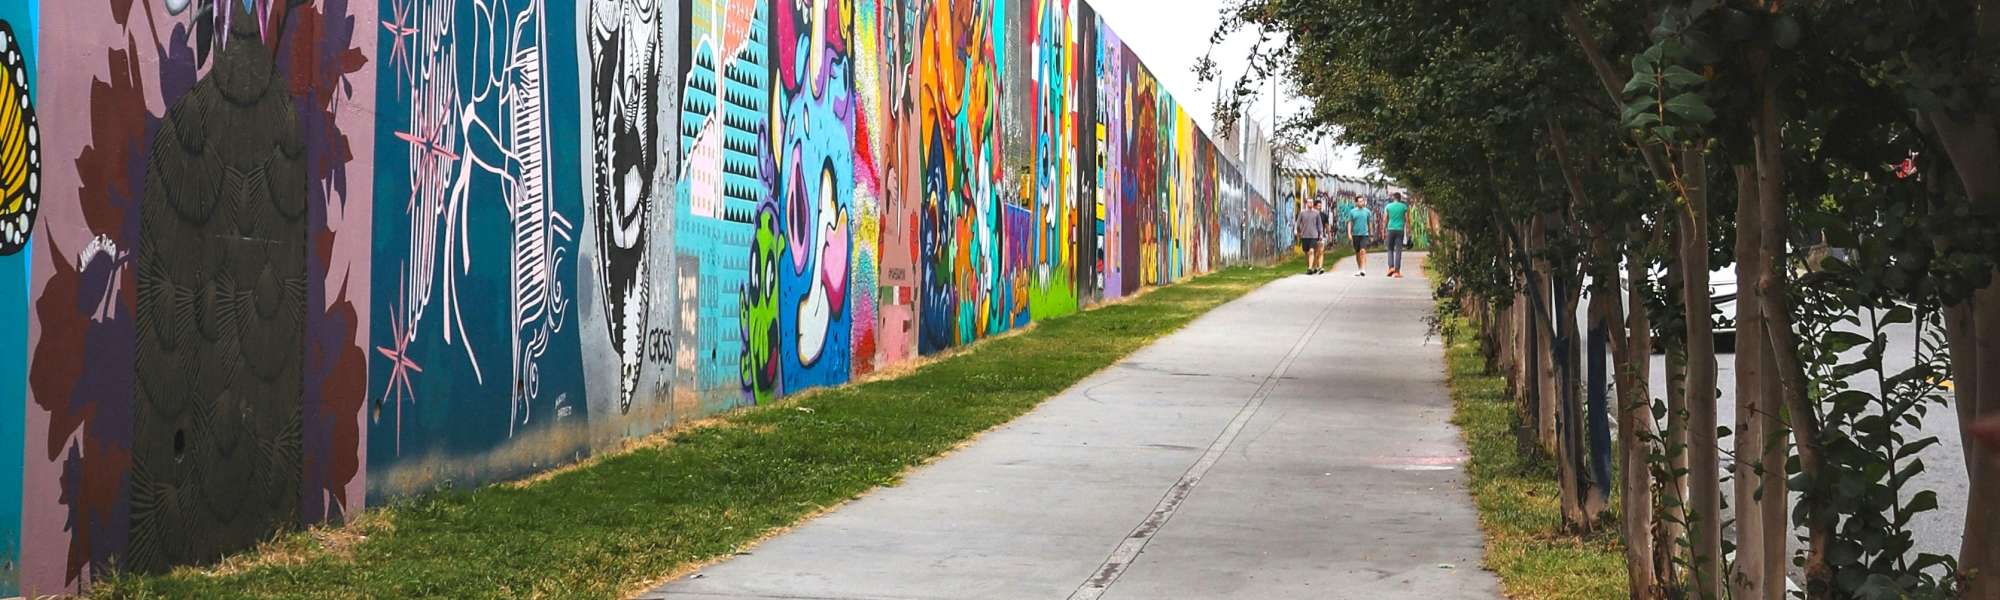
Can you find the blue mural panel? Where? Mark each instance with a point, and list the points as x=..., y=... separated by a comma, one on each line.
x=476, y=373
x=18, y=22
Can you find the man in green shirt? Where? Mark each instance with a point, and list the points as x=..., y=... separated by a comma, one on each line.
x=1360, y=221
x=1398, y=212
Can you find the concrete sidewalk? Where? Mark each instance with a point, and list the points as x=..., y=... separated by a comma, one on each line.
x=1290, y=444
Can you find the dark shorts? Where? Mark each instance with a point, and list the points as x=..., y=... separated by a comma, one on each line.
x=1360, y=243
x=1308, y=244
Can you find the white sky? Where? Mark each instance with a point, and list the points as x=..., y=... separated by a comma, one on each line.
x=1170, y=35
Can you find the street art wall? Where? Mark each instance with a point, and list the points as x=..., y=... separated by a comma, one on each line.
x=279, y=260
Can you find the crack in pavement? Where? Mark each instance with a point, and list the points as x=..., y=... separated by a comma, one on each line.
x=1128, y=550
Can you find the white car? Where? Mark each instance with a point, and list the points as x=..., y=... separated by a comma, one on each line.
x=1721, y=293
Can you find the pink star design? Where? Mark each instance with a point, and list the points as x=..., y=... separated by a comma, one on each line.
x=398, y=50
x=400, y=387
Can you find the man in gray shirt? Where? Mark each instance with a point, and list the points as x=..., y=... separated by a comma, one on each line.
x=1312, y=235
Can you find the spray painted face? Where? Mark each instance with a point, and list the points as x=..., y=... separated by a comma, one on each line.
x=627, y=47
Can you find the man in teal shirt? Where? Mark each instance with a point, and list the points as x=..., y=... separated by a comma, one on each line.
x=1397, y=211
x=1359, y=225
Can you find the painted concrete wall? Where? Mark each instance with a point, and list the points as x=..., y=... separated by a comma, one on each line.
x=273, y=261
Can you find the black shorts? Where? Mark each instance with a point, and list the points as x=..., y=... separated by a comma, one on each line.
x=1308, y=244
x=1360, y=242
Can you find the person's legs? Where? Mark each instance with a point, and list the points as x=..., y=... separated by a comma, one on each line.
x=1395, y=252
x=1360, y=255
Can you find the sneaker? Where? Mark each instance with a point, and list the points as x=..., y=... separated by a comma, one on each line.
x=1360, y=273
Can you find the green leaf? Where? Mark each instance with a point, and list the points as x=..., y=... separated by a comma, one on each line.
x=1842, y=341
x=1924, y=501
x=1682, y=77
x=1646, y=65
x=1879, y=587
x=1912, y=449
x=1640, y=85
x=1638, y=107
x=1692, y=107
x=1909, y=471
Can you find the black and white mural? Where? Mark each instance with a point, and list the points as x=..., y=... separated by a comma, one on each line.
x=631, y=61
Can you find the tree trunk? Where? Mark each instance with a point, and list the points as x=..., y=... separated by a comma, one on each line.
x=1973, y=143
x=1980, y=550
x=1759, y=471
x=1704, y=474
x=1677, y=425
x=1635, y=422
x=1637, y=403
x=1577, y=512
x=1585, y=432
x=1782, y=337
x=1539, y=296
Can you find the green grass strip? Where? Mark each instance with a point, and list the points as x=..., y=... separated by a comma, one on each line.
x=609, y=528
x=1518, y=496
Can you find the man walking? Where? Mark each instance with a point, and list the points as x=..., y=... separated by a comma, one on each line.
x=1312, y=235
x=1360, y=221
x=1398, y=233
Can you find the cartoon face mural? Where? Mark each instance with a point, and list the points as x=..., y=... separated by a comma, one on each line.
x=630, y=305
x=813, y=129
x=601, y=218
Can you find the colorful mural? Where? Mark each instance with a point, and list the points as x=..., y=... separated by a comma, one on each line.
x=287, y=258
x=194, y=339
x=20, y=199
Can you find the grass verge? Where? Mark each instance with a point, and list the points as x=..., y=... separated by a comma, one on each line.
x=610, y=528
x=1518, y=496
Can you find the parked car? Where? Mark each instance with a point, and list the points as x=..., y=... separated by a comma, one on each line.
x=1721, y=294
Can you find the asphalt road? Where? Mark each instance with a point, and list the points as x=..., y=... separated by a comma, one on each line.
x=1937, y=531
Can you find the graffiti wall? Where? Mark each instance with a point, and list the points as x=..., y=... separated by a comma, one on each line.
x=279, y=260
x=20, y=180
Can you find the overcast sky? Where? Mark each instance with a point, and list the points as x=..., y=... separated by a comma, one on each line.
x=1170, y=35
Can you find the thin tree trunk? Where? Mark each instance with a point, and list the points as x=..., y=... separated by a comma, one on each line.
x=1704, y=482
x=1637, y=401
x=1635, y=422
x=1577, y=488
x=1677, y=424
x=1539, y=296
x=1782, y=340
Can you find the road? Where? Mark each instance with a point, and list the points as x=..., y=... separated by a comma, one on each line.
x=1936, y=532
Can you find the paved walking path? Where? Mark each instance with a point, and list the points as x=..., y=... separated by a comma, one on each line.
x=1291, y=444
